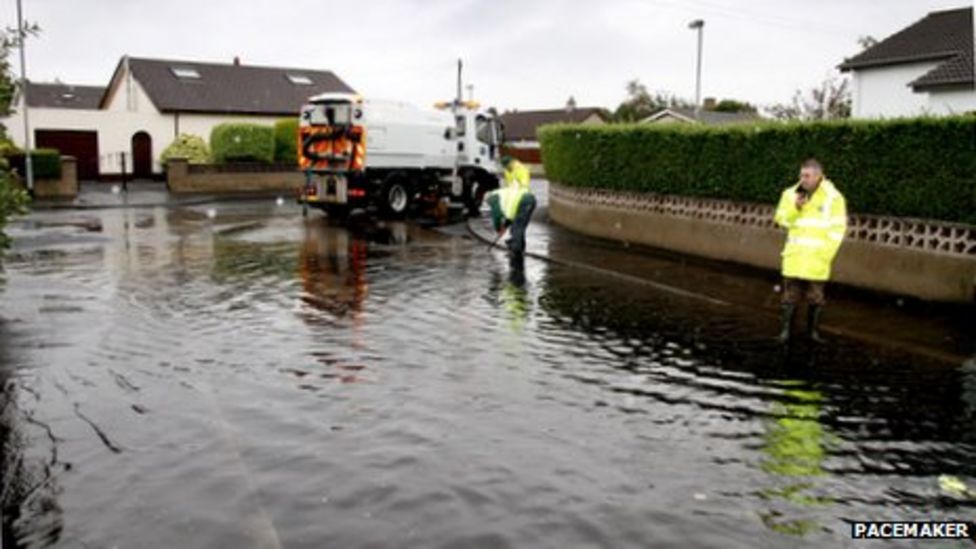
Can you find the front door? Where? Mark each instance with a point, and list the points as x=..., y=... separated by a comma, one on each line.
x=141, y=156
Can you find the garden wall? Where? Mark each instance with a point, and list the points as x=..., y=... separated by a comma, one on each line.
x=182, y=177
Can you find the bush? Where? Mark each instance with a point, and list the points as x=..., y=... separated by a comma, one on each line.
x=188, y=146
x=923, y=167
x=46, y=163
x=286, y=141
x=241, y=142
x=13, y=201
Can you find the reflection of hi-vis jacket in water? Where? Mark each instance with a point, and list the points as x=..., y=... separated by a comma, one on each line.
x=795, y=451
x=511, y=296
x=516, y=302
x=815, y=231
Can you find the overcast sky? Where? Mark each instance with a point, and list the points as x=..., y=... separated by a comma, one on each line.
x=518, y=54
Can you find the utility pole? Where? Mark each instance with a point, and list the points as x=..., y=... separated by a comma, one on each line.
x=470, y=88
x=699, y=25
x=28, y=163
x=459, y=81
x=456, y=185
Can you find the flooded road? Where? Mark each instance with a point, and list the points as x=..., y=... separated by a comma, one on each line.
x=254, y=379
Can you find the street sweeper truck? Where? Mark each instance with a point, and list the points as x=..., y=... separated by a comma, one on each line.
x=392, y=155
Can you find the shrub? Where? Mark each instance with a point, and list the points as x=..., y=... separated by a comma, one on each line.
x=13, y=201
x=191, y=147
x=923, y=167
x=46, y=163
x=286, y=141
x=242, y=142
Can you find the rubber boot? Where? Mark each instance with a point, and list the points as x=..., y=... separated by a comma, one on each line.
x=786, y=322
x=813, y=322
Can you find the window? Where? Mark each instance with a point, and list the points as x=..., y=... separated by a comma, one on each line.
x=483, y=130
x=299, y=79
x=185, y=72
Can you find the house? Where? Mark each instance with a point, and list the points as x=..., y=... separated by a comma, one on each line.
x=925, y=68
x=147, y=102
x=521, y=140
x=671, y=115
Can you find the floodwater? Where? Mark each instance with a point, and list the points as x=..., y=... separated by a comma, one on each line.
x=259, y=380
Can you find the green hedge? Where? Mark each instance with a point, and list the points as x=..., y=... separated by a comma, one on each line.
x=13, y=201
x=286, y=141
x=924, y=167
x=191, y=147
x=241, y=142
x=45, y=163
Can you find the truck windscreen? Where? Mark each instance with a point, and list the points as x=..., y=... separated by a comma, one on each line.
x=332, y=114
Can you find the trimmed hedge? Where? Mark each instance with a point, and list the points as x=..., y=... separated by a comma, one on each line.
x=191, y=147
x=286, y=141
x=923, y=167
x=242, y=142
x=45, y=163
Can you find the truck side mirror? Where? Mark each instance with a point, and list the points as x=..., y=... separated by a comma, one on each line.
x=449, y=133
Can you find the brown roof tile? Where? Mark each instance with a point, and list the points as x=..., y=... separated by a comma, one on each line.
x=63, y=96
x=230, y=88
x=940, y=35
x=522, y=125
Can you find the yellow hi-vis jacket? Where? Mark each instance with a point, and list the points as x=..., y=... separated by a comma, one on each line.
x=509, y=199
x=516, y=174
x=815, y=232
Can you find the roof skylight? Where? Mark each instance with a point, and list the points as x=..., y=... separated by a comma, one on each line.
x=185, y=72
x=300, y=79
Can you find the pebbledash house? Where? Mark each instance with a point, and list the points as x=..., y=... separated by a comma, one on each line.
x=149, y=101
x=923, y=69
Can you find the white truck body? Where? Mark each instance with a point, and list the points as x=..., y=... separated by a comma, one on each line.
x=369, y=144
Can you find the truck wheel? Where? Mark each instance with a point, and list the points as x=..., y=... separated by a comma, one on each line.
x=396, y=197
x=476, y=191
x=473, y=197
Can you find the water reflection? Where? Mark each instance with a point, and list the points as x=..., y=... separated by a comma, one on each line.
x=29, y=486
x=967, y=375
x=794, y=448
x=511, y=292
x=332, y=269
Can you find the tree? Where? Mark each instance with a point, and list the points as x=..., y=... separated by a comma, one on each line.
x=733, y=105
x=867, y=41
x=9, y=84
x=13, y=200
x=640, y=103
x=830, y=100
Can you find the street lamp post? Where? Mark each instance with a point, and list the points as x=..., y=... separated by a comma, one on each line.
x=22, y=35
x=699, y=25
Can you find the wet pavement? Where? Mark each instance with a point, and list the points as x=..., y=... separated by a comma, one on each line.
x=231, y=375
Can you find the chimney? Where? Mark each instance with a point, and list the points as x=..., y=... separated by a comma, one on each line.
x=237, y=61
x=709, y=104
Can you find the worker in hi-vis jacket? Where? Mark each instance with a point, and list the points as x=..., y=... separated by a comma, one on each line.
x=814, y=214
x=511, y=208
x=516, y=174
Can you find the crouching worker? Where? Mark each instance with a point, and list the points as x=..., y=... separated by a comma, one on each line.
x=512, y=207
x=815, y=216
